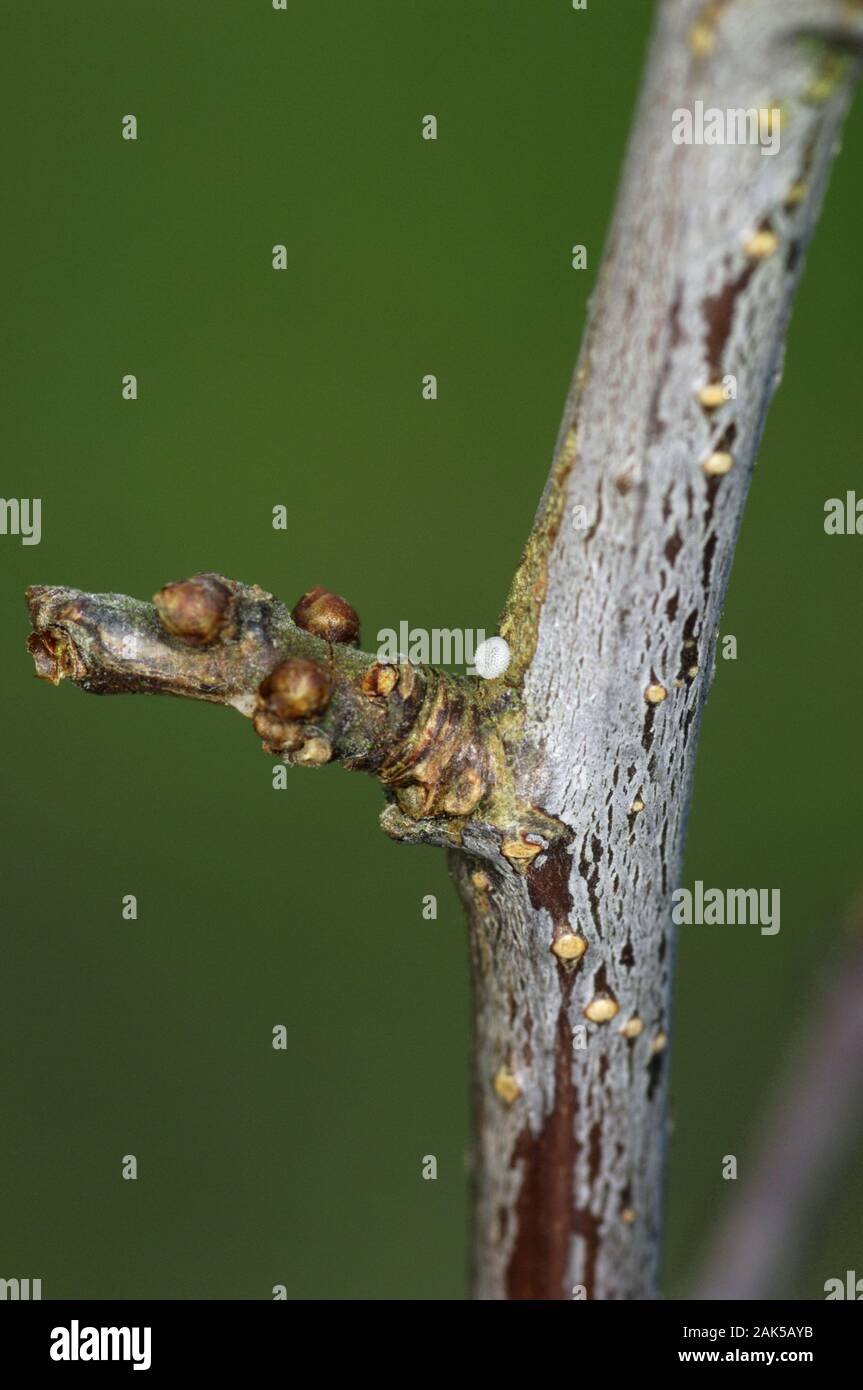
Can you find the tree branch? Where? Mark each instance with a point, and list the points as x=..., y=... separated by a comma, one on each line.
x=614, y=624
x=443, y=746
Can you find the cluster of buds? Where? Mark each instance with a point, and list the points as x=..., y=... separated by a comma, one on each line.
x=298, y=691
x=291, y=696
x=203, y=611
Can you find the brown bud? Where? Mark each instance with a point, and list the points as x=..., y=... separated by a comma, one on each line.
x=380, y=679
x=278, y=735
x=297, y=689
x=327, y=615
x=198, y=610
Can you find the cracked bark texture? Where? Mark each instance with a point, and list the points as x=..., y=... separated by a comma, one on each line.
x=703, y=255
x=562, y=787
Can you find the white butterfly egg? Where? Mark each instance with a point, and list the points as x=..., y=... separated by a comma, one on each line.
x=492, y=657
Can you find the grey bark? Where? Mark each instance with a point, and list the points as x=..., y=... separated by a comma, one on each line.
x=702, y=259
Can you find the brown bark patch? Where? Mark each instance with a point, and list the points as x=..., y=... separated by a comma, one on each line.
x=544, y=1212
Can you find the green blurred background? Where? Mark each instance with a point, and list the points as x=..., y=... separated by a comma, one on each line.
x=302, y=387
